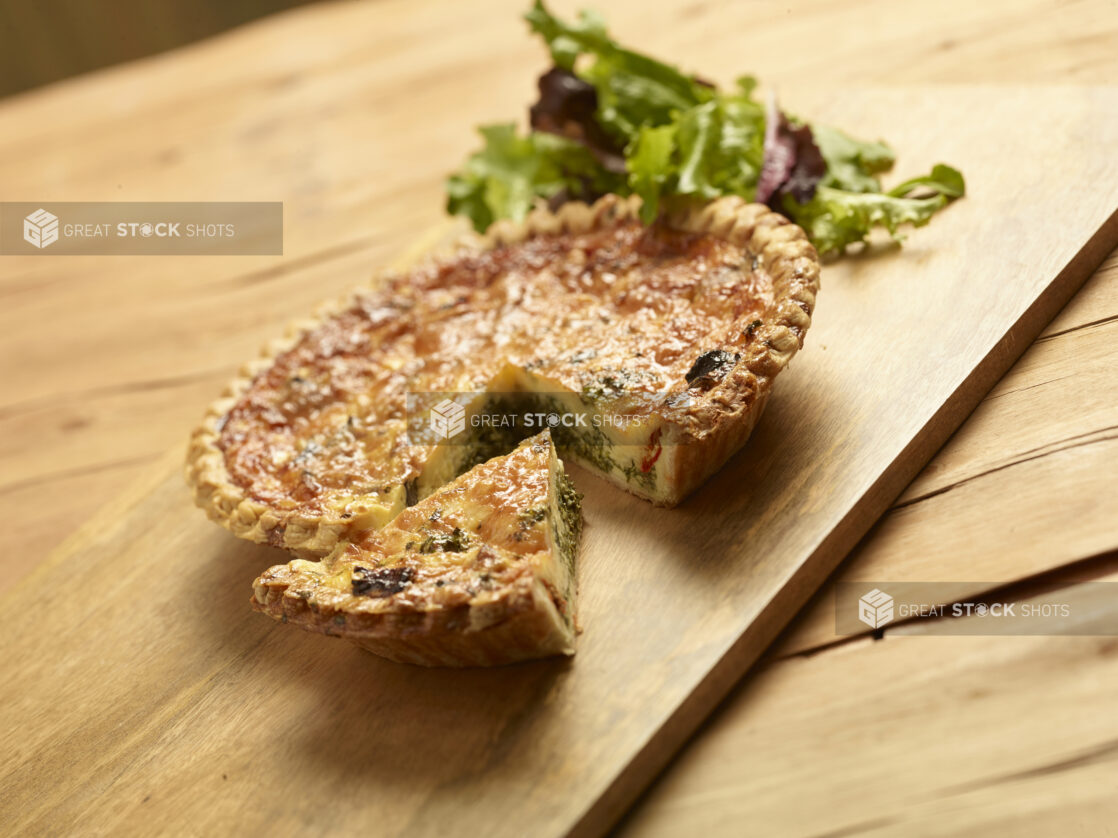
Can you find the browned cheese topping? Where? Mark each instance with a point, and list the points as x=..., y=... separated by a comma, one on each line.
x=622, y=309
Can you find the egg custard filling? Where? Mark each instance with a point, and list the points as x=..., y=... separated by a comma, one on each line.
x=679, y=327
x=354, y=439
x=481, y=572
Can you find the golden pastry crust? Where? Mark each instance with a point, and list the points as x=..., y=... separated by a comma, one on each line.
x=710, y=304
x=480, y=573
x=716, y=426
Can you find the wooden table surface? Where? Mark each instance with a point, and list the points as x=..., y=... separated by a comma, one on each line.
x=108, y=361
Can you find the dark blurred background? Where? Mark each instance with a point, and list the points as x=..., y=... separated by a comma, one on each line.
x=42, y=41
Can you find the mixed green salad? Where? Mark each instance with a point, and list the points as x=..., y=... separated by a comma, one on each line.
x=610, y=119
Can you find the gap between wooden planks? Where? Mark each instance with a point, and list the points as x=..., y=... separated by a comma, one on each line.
x=944, y=60
x=1029, y=483
x=971, y=735
x=201, y=697
x=911, y=735
x=73, y=392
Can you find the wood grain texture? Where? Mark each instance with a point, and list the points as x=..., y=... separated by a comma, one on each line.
x=675, y=605
x=1001, y=502
x=270, y=112
x=939, y=736
x=1027, y=485
x=1010, y=751
x=332, y=109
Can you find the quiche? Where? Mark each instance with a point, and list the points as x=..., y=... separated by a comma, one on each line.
x=481, y=572
x=665, y=339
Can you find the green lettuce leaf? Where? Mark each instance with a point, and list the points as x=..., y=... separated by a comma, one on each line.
x=650, y=167
x=851, y=164
x=633, y=89
x=682, y=139
x=704, y=152
x=835, y=218
x=943, y=180
x=511, y=172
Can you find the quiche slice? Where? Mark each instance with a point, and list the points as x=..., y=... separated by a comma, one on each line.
x=679, y=327
x=480, y=573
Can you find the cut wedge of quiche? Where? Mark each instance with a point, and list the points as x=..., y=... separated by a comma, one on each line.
x=480, y=573
x=681, y=327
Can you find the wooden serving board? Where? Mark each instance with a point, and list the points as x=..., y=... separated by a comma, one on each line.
x=140, y=693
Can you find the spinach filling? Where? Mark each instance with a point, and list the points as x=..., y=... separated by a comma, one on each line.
x=455, y=541
x=566, y=532
x=567, y=536
x=587, y=444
